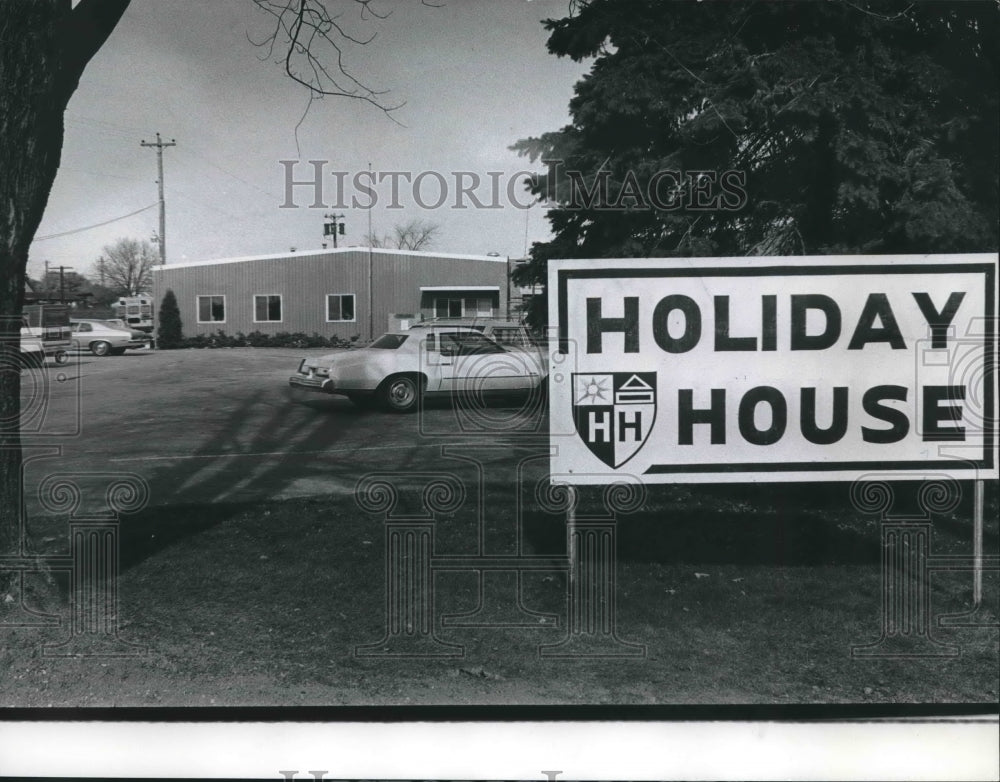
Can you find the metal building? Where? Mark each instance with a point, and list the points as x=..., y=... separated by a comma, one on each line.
x=345, y=292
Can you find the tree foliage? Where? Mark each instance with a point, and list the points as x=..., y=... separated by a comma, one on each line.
x=856, y=127
x=169, y=330
x=127, y=266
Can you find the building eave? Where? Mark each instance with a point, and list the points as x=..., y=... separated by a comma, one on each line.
x=328, y=251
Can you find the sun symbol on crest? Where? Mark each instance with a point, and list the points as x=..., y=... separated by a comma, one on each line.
x=593, y=390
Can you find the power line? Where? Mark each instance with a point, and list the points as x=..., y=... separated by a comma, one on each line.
x=230, y=173
x=95, y=225
x=125, y=130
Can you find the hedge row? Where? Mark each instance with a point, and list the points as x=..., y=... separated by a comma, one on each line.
x=256, y=339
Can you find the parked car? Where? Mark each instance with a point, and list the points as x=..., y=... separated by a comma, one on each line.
x=508, y=333
x=102, y=339
x=440, y=359
x=45, y=331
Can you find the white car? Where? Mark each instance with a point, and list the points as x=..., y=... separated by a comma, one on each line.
x=102, y=339
x=399, y=368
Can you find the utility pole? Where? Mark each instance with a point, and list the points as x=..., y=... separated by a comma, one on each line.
x=508, y=287
x=371, y=295
x=163, y=208
x=62, y=285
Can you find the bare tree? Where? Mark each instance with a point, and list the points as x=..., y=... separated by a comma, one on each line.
x=414, y=235
x=127, y=266
x=46, y=46
x=310, y=43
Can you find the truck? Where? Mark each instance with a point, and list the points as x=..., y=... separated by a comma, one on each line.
x=45, y=331
x=136, y=311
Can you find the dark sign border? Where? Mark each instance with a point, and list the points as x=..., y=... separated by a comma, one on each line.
x=988, y=270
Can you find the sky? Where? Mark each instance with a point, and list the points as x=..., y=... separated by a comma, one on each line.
x=474, y=77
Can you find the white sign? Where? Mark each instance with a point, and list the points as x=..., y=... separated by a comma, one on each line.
x=709, y=370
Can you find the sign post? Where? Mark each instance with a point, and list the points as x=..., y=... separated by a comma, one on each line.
x=977, y=545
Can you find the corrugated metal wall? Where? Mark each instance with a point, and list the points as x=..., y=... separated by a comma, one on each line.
x=304, y=280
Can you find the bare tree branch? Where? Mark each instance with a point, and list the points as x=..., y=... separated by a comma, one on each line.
x=127, y=266
x=312, y=42
x=414, y=235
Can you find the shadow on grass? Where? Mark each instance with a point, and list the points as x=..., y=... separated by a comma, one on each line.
x=143, y=534
x=212, y=469
x=680, y=535
x=765, y=524
x=748, y=539
x=728, y=525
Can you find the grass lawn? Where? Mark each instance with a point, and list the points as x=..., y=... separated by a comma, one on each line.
x=740, y=595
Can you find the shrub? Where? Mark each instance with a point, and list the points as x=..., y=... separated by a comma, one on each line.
x=169, y=334
x=257, y=339
x=197, y=341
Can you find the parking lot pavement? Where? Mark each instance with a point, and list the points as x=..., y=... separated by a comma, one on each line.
x=223, y=426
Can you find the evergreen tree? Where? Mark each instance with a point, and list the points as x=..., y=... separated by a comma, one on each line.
x=845, y=127
x=169, y=333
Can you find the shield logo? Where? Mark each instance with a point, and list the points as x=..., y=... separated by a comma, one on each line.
x=614, y=412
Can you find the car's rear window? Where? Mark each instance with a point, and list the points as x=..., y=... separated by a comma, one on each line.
x=514, y=337
x=389, y=341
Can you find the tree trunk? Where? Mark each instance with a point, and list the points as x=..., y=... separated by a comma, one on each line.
x=821, y=196
x=46, y=44
x=31, y=136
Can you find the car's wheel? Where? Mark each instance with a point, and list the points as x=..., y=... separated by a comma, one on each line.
x=100, y=348
x=117, y=351
x=401, y=393
x=61, y=357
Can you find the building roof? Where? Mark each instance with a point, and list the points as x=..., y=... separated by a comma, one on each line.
x=329, y=251
x=444, y=288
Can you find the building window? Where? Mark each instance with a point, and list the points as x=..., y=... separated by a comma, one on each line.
x=447, y=308
x=463, y=308
x=267, y=308
x=339, y=307
x=211, y=309
x=482, y=308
